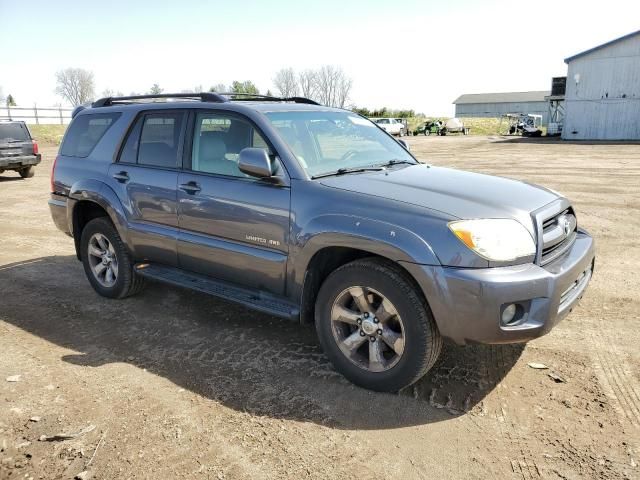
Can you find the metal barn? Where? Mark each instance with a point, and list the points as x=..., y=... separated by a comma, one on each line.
x=602, y=97
x=496, y=104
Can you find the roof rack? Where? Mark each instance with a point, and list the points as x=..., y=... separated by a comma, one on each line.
x=247, y=97
x=203, y=96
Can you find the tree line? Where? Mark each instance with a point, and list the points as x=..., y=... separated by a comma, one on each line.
x=328, y=85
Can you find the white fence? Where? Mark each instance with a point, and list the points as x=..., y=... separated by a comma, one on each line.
x=37, y=115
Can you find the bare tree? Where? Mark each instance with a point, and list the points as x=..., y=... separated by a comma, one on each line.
x=332, y=86
x=107, y=92
x=219, y=88
x=286, y=82
x=75, y=85
x=307, y=81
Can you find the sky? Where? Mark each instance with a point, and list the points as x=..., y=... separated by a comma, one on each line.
x=406, y=54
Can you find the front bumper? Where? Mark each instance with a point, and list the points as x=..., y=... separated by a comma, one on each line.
x=8, y=163
x=467, y=303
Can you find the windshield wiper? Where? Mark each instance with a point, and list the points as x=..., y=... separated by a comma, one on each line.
x=395, y=161
x=342, y=171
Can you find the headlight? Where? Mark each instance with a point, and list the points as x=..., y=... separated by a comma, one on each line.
x=499, y=239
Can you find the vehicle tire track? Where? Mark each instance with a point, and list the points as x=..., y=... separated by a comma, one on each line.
x=616, y=377
x=496, y=367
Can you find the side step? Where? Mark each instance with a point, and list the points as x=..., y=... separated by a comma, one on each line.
x=254, y=299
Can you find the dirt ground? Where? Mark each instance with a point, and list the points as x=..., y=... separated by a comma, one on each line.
x=175, y=384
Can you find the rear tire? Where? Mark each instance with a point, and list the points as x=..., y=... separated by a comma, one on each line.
x=27, y=172
x=101, y=250
x=397, y=348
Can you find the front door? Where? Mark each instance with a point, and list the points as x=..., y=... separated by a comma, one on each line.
x=232, y=227
x=145, y=179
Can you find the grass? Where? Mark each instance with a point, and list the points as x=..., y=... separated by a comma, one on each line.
x=51, y=134
x=483, y=126
x=478, y=125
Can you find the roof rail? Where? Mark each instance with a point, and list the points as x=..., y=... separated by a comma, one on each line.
x=247, y=97
x=203, y=96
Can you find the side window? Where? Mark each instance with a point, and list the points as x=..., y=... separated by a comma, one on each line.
x=85, y=132
x=217, y=142
x=159, y=139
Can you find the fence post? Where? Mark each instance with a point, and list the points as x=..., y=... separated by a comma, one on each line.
x=9, y=111
x=60, y=112
x=35, y=111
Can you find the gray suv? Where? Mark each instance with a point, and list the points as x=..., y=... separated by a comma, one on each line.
x=18, y=151
x=317, y=215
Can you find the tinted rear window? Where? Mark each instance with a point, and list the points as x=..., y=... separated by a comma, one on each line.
x=10, y=132
x=85, y=132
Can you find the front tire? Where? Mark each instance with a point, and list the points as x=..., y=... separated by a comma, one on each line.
x=107, y=262
x=375, y=327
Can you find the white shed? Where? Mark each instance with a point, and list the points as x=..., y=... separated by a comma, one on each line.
x=602, y=98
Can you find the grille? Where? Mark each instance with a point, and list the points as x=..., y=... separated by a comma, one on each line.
x=558, y=235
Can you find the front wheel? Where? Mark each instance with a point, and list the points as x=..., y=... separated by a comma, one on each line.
x=375, y=327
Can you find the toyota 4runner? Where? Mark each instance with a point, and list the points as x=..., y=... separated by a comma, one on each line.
x=317, y=215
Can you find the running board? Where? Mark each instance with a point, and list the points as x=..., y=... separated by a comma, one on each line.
x=253, y=299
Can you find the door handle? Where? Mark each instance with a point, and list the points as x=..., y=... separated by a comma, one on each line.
x=190, y=187
x=122, y=177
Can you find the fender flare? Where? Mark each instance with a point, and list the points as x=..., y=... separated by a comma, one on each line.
x=97, y=192
x=381, y=238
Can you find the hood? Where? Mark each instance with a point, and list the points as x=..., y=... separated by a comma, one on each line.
x=461, y=194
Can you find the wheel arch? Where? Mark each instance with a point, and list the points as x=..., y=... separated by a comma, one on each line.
x=327, y=250
x=92, y=199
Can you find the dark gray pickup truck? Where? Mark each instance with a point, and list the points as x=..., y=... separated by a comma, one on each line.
x=317, y=215
x=18, y=151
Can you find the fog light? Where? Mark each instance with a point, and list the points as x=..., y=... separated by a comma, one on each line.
x=509, y=313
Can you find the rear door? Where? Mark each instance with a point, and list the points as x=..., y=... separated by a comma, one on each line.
x=232, y=227
x=145, y=179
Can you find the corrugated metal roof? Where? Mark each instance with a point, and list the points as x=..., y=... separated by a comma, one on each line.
x=604, y=45
x=504, y=97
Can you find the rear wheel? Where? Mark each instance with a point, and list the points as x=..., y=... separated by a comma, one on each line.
x=27, y=172
x=375, y=327
x=106, y=261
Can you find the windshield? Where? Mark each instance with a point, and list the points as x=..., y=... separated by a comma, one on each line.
x=13, y=132
x=324, y=142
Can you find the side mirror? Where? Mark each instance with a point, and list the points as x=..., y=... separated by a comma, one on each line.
x=403, y=143
x=255, y=162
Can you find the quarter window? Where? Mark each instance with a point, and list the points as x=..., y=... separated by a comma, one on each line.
x=85, y=132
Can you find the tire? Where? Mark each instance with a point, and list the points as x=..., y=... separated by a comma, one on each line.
x=427, y=133
x=27, y=172
x=126, y=282
x=402, y=132
x=421, y=341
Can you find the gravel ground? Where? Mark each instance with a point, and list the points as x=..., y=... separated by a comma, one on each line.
x=175, y=384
